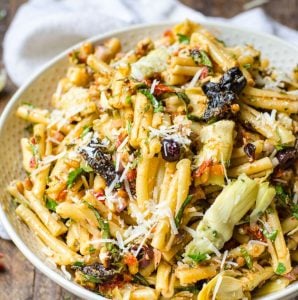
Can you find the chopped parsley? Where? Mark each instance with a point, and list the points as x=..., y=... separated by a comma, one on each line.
x=280, y=268
x=294, y=210
x=91, y=278
x=270, y=235
x=246, y=257
x=128, y=126
x=51, y=204
x=157, y=105
x=91, y=249
x=198, y=257
x=183, y=39
x=179, y=215
x=73, y=176
x=247, y=66
x=78, y=264
x=182, y=96
x=138, y=278
x=128, y=100
x=200, y=57
x=76, y=173
x=281, y=195
x=86, y=129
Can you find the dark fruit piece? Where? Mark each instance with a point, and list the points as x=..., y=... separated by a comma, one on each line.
x=286, y=157
x=250, y=151
x=233, y=80
x=222, y=95
x=170, y=150
x=98, y=160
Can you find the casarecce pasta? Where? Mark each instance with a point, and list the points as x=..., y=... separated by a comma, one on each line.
x=166, y=172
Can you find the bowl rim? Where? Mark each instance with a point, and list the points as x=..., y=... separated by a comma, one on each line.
x=71, y=286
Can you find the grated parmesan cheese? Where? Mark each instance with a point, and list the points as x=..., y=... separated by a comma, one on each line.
x=257, y=242
x=195, y=78
x=223, y=260
x=217, y=286
x=153, y=85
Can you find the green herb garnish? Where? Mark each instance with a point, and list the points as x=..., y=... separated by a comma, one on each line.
x=128, y=100
x=51, y=204
x=138, y=278
x=280, y=269
x=157, y=106
x=247, y=257
x=294, y=209
x=86, y=129
x=198, y=257
x=91, y=278
x=91, y=249
x=183, y=39
x=201, y=57
x=73, y=176
x=281, y=194
x=128, y=126
x=182, y=96
x=270, y=235
x=78, y=264
x=181, y=210
x=247, y=66
x=103, y=225
x=86, y=168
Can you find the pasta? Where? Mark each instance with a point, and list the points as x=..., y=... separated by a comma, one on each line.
x=167, y=172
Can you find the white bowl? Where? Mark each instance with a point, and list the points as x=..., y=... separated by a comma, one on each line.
x=38, y=90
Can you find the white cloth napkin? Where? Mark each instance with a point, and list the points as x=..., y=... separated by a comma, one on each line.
x=43, y=28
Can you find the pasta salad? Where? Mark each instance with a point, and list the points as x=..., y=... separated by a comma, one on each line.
x=166, y=172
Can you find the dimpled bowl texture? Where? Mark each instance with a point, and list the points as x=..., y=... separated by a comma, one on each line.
x=38, y=91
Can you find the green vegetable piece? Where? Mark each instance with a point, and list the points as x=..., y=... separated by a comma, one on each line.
x=179, y=215
x=91, y=278
x=138, y=278
x=78, y=264
x=270, y=235
x=86, y=129
x=157, y=106
x=201, y=57
x=280, y=269
x=198, y=257
x=183, y=39
x=51, y=204
x=247, y=66
x=281, y=195
x=294, y=210
x=103, y=225
x=73, y=176
x=87, y=168
x=247, y=257
x=182, y=96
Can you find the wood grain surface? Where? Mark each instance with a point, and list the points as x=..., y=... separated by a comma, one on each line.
x=21, y=281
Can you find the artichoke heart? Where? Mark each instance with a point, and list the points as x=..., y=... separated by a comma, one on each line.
x=218, y=223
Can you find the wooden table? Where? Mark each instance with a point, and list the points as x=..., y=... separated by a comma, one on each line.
x=22, y=281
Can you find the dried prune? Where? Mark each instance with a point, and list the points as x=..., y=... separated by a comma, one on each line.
x=286, y=157
x=99, y=160
x=233, y=80
x=222, y=95
x=98, y=271
x=170, y=150
x=250, y=151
